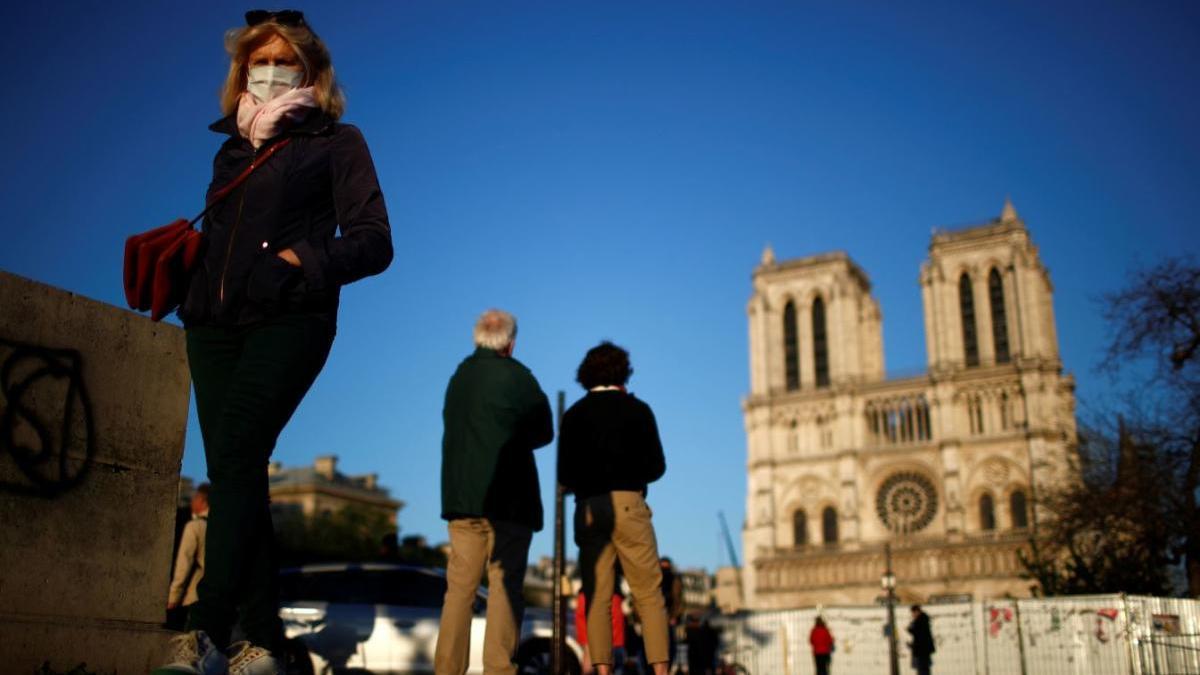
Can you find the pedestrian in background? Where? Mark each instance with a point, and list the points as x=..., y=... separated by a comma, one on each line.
x=189, y=561
x=672, y=590
x=701, y=645
x=260, y=310
x=609, y=451
x=822, y=646
x=495, y=416
x=634, y=647
x=922, y=647
x=618, y=630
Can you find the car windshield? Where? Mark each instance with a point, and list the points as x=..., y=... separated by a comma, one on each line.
x=402, y=588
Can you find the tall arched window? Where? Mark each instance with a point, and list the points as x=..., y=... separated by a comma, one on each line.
x=829, y=525
x=820, y=343
x=999, y=318
x=987, y=513
x=791, y=347
x=966, y=306
x=799, y=528
x=1016, y=502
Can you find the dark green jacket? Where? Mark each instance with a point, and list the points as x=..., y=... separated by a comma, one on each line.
x=495, y=416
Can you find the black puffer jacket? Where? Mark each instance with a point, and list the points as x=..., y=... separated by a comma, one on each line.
x=322, y=180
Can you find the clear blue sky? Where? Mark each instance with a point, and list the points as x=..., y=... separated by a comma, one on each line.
x=613, y=170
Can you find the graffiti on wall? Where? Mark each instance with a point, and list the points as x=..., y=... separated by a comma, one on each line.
x=46, y=426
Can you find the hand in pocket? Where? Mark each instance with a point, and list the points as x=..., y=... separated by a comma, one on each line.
x=270, y=279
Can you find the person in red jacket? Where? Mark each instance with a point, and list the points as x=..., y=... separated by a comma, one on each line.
x=822, y=645
x=618, y=631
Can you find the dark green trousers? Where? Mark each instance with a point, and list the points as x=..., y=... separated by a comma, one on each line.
x=248, y=381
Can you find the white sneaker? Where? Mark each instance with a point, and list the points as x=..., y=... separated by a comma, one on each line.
x=192, y=653
x=248, y=659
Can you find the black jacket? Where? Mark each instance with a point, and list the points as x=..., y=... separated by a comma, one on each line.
x=609, y=441
x=922, y=637
x=495, y=416
x=324, y=179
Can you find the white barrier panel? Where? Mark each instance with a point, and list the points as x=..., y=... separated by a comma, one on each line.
x=1076, y=636
x=1166, y=635
x=1081, y=635
x=998, y=637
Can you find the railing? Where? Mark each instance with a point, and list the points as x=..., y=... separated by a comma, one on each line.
x=1104, y=635
x=824, y=565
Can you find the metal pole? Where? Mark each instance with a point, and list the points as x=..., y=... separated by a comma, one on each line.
x=558, y=664
x=1136, y=664
x=893, y=655
x=1020, y=637
x=987, y=663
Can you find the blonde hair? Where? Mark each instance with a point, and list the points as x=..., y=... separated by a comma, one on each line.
x=313, y=54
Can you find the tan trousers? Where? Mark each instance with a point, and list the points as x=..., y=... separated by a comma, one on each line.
x=607, y=528
x=502, y=549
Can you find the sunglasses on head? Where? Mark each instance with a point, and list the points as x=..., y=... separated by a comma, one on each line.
x=284, y=17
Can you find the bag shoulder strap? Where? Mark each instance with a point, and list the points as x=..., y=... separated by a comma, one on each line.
x=224, y=192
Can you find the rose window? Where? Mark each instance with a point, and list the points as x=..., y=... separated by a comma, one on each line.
x=906, y=502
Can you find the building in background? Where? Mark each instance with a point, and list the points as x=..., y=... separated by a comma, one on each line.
x=727, y=593
x=945, y=465
x=321, y=489
x=539, y=580
x=698, y=585
x=699, y=589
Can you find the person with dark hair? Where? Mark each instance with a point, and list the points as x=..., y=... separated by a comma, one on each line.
x=609, y=451
x=672, y=590
x=701, y=645
x=189, y=561
x=822, y=646
x=922, y=641
x=495, y=415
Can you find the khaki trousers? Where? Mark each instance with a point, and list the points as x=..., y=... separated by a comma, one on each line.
x=502, y=550
x=610, y=527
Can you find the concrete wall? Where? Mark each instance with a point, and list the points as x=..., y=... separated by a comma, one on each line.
x=93, y=410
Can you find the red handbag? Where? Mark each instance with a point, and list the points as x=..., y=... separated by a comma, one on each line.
x=159, y=262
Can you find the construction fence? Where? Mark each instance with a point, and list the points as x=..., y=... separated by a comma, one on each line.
x=1078, y=635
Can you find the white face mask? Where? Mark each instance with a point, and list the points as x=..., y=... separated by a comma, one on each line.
x=267, y=82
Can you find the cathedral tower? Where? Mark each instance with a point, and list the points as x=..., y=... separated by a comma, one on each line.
x=988, y=299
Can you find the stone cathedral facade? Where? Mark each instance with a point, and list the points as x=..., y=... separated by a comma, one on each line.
x=945, y=466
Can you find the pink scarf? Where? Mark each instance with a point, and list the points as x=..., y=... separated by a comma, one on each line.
x=258, y=122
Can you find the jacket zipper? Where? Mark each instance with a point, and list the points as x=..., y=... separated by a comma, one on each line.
x=233, y=232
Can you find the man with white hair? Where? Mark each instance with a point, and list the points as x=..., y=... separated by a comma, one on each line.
x=495, y=416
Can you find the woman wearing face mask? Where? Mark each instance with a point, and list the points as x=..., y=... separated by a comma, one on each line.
x=261, y=310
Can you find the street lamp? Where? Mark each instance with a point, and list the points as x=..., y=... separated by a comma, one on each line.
x=888, y=581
